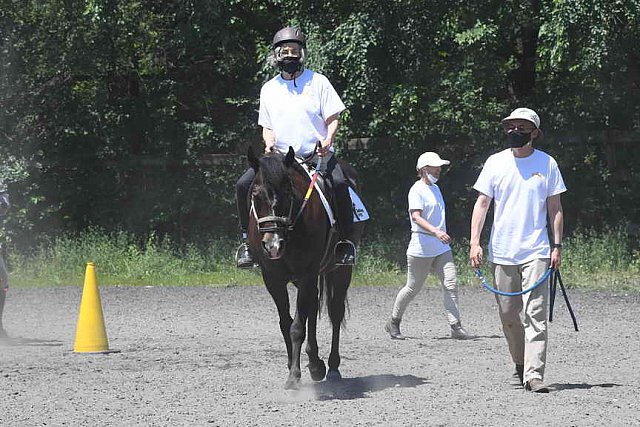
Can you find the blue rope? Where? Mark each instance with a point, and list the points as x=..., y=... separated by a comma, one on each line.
x=513, y=294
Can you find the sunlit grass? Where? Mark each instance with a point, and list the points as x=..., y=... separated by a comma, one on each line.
x=603, y=260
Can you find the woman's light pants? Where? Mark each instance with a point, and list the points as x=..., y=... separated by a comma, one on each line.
x=418, y=269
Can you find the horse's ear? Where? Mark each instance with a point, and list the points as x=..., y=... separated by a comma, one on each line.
x=253, y=160
x=290, y=157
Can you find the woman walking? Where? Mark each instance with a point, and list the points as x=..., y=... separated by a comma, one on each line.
x=428, y=250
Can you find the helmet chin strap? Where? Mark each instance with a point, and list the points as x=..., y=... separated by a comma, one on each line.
x=292, y=76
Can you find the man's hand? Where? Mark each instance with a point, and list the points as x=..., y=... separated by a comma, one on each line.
x=475, y=255
x=556, y=258
x=324, y=147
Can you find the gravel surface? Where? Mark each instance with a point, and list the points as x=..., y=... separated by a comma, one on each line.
x=214, y=356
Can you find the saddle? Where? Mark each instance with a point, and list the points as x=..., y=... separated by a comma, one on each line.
x=324, y=187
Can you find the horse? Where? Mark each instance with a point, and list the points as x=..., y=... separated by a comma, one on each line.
x=293, y=241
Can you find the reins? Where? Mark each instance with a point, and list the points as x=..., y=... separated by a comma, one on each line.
x=307, y=196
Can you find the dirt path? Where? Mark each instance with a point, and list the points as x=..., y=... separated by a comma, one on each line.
x=214, y=356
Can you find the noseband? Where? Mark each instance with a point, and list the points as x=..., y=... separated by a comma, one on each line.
x=278, y=222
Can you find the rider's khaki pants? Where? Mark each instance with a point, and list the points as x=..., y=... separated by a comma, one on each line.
x=524, y=317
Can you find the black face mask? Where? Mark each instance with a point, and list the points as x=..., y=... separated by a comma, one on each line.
x=517, y=139
x=290, y=65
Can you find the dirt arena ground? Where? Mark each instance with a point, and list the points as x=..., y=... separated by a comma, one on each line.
x=214, y=356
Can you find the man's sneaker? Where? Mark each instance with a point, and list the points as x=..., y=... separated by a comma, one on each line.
x=345, y=253
x=393, y=328
x=243, y=257
x=535, y=385
x=519, y=373
x=459, y=333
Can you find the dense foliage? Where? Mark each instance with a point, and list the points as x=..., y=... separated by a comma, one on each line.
x=134, y=115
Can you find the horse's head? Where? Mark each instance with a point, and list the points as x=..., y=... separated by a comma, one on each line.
x=272, y=200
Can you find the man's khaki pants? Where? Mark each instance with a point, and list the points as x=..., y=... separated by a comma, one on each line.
x=524, y=317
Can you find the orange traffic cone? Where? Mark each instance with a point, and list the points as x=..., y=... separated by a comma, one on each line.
x=91, y=335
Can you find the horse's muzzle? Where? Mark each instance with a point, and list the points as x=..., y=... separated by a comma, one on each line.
x=273, y=245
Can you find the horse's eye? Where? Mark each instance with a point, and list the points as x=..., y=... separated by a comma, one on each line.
x=257, y=190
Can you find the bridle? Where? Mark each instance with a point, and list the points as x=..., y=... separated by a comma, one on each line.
x=285, y=223
x=279, y=222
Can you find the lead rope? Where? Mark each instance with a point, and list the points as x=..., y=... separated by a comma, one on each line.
x=557, y=278
x=512, y=294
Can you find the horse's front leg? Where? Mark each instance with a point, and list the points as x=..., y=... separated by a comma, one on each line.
x=317, y=368
x=307, y=292
x=339, y=281
x=278, y=290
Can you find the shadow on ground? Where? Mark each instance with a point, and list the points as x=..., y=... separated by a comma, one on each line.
x=29, y=342
x=358, y=388
x=582, y=386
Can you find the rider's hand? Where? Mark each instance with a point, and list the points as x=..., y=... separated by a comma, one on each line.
x=442, y=236
x=475, y=255
x=324, y=147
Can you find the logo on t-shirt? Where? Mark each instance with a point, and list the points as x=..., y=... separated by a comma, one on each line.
x=538, y=174
x=308, y=91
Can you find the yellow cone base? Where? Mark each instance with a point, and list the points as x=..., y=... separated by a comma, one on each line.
x=91, y=335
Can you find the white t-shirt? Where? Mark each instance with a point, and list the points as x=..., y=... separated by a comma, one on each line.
x=297, y=113
x=428, y=199
x=520, y=188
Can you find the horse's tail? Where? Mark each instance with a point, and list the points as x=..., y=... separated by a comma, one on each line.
x=334, y=292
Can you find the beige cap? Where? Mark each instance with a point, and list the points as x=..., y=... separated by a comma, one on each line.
x=430, y=159
x=524, y=114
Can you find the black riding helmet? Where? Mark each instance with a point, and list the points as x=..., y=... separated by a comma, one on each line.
x=288, y=34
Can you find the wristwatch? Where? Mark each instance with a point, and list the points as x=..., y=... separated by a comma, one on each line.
x=556, y=245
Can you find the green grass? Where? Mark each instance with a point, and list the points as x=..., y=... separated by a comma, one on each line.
x=599, y=261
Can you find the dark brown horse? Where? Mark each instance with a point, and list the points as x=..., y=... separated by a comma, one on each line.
x=294, y=245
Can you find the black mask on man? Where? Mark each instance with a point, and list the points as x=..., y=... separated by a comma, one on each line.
x=517, y=139
x=290, y=65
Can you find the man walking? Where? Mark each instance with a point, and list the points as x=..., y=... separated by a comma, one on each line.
x=525, y=185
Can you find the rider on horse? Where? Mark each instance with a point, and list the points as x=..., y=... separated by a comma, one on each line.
x=299, y=108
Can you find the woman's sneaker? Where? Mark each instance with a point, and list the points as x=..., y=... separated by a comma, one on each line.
x=459, y=333
x=393, y=328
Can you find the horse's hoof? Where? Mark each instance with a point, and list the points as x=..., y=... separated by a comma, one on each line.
x=317, y=370
x=292, y=384
x=334, y=375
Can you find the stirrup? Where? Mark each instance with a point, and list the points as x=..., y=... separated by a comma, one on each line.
x=345, y=252
x=243, y=257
